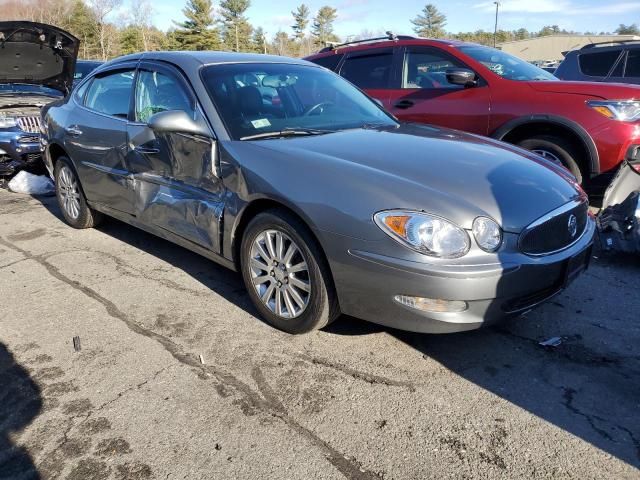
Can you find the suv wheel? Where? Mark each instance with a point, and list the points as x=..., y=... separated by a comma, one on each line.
x=286, y=275
x=556, y=149
x=71, y=198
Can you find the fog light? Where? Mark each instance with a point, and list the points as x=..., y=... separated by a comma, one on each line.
x=436, y=305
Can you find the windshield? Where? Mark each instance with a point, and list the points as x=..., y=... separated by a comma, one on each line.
x=28, y=88
x=255, y=99
x=505, y=65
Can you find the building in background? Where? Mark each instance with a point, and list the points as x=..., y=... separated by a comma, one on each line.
x=550, y=48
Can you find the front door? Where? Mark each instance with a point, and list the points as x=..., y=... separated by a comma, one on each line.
x=96, y=140
x=425, y=95
x=175, y=181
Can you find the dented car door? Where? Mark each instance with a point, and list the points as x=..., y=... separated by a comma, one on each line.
x=176, y=187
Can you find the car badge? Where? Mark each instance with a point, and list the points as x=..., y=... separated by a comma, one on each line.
x=572, y=225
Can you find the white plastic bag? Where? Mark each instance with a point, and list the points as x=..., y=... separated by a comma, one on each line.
x=25, y=182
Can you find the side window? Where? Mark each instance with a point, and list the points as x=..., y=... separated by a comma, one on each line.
x=369, y=71
x=157, y=92
x=111, y=93
x=330, y=61
x=428, y=69
x=598, y=64
x=633, y=64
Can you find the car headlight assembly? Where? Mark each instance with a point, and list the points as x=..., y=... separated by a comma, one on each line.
x=621, y=110
x=8, y=122
x=487, y=233
x=424, y=233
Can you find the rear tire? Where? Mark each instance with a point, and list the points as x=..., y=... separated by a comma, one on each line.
x=294, y=292
x=555, y=149
x=71, y=199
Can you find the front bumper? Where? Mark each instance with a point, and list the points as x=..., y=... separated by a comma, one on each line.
x=368, y=282
x=19, y=150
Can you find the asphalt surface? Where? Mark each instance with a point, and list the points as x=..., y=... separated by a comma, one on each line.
x=177, y=378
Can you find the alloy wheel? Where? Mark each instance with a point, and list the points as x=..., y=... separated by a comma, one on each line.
x=546, y=154
x=280, y=274
x=69, y=192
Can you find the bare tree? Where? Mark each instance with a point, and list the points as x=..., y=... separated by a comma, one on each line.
x=102, y=9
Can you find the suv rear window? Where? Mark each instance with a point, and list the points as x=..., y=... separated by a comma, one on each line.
x=330, y=61
x=368, y=71
x=598, y=64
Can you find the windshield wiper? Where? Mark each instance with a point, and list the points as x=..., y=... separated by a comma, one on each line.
x=288, y=132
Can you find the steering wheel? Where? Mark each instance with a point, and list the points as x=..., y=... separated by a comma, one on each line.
x=317, y=106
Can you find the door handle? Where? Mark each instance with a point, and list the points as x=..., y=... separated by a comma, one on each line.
x=404, y=104
x=146, y=150
x=73, y=130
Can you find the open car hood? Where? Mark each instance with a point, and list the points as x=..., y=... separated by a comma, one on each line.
x=37, y=54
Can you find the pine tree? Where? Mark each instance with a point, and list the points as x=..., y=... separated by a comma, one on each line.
x=322, y=29
x=198, y=31
x=259, y=40
x=236, y=33
x=431, y=23
x=301, y=20
x=83, y=24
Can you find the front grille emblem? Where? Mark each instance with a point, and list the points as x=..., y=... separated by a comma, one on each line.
x=572, y=225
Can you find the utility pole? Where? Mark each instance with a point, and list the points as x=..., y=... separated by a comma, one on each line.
x=495, y=30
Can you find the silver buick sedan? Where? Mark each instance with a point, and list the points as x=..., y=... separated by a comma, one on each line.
x=287, y=173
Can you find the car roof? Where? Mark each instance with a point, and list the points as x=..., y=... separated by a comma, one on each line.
x=198, y=58
x=387, y=42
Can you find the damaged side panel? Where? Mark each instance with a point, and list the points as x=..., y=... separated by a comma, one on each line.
x=175, y=186
x=619, y=220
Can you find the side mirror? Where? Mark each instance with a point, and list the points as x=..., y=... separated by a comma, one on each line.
x=177, y=121
x=461, y=76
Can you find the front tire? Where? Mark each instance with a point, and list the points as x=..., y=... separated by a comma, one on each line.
x=285, y=273
x=556, y=149
x=71, y=199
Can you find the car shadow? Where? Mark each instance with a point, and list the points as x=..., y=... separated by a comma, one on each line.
x=20, y=404
x=589, y=393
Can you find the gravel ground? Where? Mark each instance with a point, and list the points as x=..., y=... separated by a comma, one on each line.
x=177, y=378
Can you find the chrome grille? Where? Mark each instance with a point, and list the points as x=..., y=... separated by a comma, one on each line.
x=29, y=124
x=553, y=232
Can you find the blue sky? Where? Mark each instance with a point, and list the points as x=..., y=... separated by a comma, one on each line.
x=355, y=16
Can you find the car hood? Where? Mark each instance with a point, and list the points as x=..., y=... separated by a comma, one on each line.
x=440, y=171
x=606, y=91
x=37, y=54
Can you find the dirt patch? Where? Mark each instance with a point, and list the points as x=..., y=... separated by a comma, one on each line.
x=96, y=425
x=133, y=471
x=112, y=446
x=75, y=447
x=77, y=407
x=49, y=373
x=89, y=469
x=59, y=389
x=24, y=236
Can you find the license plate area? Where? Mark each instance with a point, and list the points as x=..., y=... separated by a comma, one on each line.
x=576, y=265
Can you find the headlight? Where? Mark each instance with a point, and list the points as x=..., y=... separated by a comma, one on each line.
x=428, y=234
x=7, y=122
x=621, y=110
x=487, y=233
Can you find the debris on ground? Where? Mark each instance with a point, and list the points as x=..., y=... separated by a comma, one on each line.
x=30, y=184
x=551, y=342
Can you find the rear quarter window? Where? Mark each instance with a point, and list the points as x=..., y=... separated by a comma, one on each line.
x=330, y=61
x=598, y=64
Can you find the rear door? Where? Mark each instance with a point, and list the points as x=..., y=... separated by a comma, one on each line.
x=96, y=138
x=372, y=71
x=425, y=95
x=177, y=188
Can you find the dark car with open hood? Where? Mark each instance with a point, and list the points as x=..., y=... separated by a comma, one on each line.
x=37, y=63
x=284, y=171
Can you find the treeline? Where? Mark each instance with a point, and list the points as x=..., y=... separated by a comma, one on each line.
x=107, y=30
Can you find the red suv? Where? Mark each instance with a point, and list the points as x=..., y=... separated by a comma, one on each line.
x=588, y=127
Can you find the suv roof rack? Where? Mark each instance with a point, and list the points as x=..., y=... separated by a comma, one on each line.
x=609, y=43
x=389, y=36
